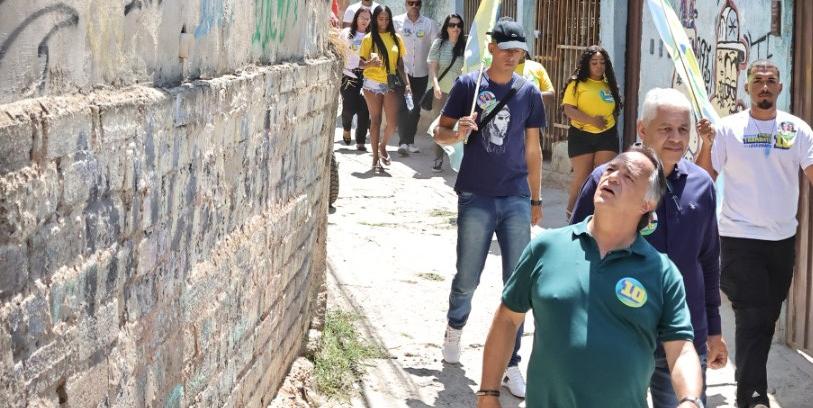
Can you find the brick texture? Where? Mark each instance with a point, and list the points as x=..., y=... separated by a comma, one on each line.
x=163, y=247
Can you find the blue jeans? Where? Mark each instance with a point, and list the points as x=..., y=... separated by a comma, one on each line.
x=478, y=219
x=660, y=386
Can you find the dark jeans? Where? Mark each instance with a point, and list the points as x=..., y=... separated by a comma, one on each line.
x=408, y=119
x=478, y=219
x=755, y=276
x=353, y=104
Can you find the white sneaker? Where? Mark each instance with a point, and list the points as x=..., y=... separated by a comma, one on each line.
x=414, y=149
x=514, y=382
x=402, y=149
x=451, y=345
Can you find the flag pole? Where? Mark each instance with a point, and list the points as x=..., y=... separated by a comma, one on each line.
x=474, y=100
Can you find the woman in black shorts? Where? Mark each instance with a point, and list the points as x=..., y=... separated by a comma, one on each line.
x=592, y=102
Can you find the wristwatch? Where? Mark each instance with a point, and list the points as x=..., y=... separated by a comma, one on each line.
x=694, y=400
x=537, y=203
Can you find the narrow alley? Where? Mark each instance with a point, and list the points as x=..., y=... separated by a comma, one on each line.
x=391, y=259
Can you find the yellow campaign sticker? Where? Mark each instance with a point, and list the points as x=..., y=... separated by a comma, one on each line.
x=630, y=292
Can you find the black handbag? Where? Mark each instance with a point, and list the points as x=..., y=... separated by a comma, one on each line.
x=429, y=95
x=394, y=82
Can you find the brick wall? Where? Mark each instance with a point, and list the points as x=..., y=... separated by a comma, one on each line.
x=162, y=247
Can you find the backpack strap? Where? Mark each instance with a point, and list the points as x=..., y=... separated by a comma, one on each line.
x=518, y=84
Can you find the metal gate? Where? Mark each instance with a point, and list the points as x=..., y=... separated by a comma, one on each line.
x=566, y=28
x=508, y=8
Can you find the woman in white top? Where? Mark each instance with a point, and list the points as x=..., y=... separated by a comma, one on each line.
x=449, y=46
x=352, y=81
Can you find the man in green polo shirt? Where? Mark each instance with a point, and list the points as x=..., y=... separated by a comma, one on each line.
x=602, y=298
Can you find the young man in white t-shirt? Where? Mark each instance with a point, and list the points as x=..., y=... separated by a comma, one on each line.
x=350, y=11
x=760, y=151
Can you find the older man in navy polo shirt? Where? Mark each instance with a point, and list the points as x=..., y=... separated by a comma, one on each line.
x=685, y=229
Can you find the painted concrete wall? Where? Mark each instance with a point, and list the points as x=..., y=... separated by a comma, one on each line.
x=612, y=15
x=727, y=35
x=50, y=47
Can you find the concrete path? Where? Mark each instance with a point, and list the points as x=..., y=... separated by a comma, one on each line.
x=391, y=250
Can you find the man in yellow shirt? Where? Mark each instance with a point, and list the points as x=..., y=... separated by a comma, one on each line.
x=537, y=75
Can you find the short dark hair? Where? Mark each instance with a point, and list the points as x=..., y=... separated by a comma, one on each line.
x=763, y=63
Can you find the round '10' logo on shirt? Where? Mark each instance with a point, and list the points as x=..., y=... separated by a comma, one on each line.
x=630, y=292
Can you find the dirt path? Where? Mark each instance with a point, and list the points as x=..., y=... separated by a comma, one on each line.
x=391, y=250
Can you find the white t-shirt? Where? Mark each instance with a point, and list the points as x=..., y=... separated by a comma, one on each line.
x=418, y=38
x=760, y=162
x=350, y=11
x=353, y=57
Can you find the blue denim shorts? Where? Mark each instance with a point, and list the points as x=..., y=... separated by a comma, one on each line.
x=375, y=86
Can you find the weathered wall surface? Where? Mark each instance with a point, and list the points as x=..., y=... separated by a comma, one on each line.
x=50, y=47
x=726, y=36
x=160, y=247
x=161, y=238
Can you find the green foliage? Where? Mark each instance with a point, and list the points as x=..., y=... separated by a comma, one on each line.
x=341, y=356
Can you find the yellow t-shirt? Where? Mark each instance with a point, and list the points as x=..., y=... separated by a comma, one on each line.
x=536, y=74
x=380, y=73
x=593, y=98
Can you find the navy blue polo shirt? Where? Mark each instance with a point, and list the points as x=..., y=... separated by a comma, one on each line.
x=686, y=231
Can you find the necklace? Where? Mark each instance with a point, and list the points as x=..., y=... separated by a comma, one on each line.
x=772, y=127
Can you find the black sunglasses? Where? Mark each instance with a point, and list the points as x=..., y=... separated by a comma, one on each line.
x=453, y=25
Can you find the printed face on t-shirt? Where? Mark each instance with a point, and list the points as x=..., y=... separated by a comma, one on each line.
x=495, y=132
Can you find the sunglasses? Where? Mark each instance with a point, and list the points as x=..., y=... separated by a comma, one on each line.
x=455, y=25
x=414, y=3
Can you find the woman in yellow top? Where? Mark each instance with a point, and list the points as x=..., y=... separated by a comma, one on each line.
x=381, y=55
x=592, y=102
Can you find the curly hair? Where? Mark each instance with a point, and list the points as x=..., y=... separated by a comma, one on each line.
x=582, y=72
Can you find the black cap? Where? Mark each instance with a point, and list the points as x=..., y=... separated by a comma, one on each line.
x=508, y=35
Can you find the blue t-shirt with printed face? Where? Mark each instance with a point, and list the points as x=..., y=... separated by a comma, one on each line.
x=494, y=158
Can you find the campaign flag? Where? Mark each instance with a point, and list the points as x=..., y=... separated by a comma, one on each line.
x=477, y=42
x=680, y=50
x=475, y=58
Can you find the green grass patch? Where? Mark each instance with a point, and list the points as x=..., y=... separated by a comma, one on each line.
x=341, y=356
x=431, y=276
x=379, y=224
x=442, y=213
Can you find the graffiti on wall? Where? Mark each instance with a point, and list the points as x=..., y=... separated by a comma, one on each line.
x=63, y=17
x=723, y=54
x=272, y=18
x=139, y=4
x=211, y=16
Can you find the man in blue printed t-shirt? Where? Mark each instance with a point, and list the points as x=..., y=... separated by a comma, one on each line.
x=500, y=180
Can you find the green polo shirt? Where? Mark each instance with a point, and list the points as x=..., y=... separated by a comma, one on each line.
x=597, y=320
